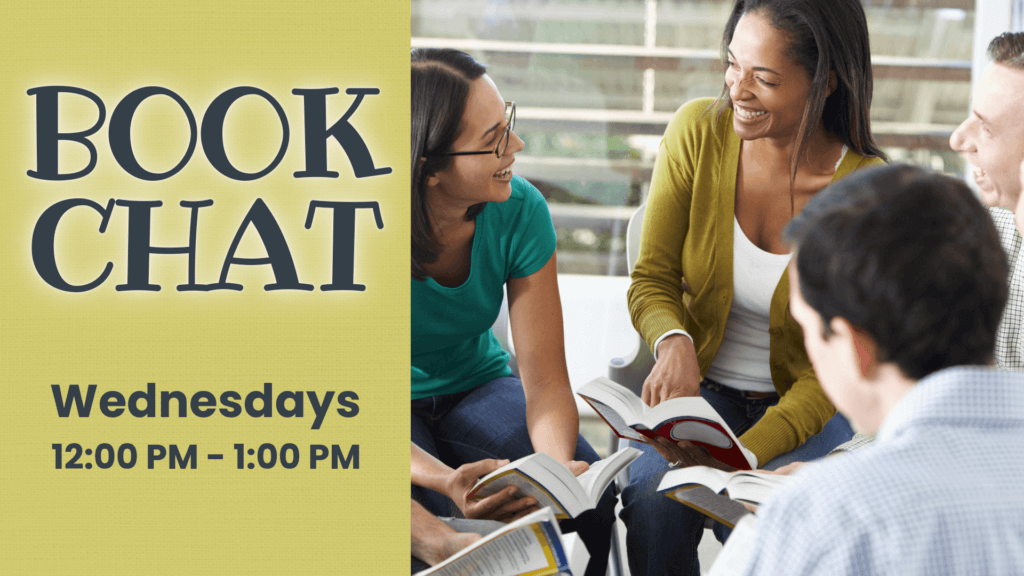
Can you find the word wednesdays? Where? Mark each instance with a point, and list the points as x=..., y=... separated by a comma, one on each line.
x=203, y=404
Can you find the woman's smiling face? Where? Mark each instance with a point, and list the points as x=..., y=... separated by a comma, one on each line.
x=483, y=177
x=768, y=89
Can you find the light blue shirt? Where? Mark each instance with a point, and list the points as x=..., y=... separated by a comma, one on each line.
x=941, y=491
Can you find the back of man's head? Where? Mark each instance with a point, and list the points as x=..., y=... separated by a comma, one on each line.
x=1008, y=49
x=909, y=256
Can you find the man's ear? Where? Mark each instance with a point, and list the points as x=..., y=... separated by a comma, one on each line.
x=833, y=82
x=864, y=348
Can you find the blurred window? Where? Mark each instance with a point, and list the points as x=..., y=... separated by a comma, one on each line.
x=596, y=82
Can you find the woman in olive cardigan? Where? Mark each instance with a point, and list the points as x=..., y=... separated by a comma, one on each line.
x=709, y=291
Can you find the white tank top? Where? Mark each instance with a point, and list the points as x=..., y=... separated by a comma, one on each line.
x=742, y=359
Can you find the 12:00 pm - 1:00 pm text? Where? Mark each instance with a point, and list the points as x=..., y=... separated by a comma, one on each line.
x=266, y=456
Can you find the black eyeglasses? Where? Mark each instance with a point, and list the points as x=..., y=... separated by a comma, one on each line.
x=502, y=145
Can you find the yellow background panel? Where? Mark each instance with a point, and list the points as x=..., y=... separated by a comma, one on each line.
x=214, y=519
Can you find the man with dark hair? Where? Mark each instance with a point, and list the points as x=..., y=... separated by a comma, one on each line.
x=1008, y=49
x=898, y=281
x=992, y=140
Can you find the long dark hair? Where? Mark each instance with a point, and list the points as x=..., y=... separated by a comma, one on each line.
x=441, y=79
x=825, y=36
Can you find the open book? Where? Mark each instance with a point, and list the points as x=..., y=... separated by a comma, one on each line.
x=529, y=546
x=698, y=487
x=677, y=419
x=553, y=485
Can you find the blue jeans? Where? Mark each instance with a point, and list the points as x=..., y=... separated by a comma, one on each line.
x=661, y=534
x=489, y=421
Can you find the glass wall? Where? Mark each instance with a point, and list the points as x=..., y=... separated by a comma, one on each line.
x=596, y=81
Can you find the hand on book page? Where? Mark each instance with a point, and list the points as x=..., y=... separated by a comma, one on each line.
x=689, y=418
x=504, y=506
x=675, y=374
x=686, y=454
x=577, y=467
x=552, y=484
x=531, y=546
x=434, y=541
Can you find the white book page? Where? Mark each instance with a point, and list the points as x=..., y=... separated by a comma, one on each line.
x=539, y=476
x=751, y=486
x=713, y=478
x=613, y=419
x=762, y=476
x=754, y=488
x=694, y=406
x=516, y=549
x=615, y=395
x=602, y=472
x=527, y=487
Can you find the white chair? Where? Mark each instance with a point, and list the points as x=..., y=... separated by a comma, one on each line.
x=501, y=332
x=632, y=369
x=629, y=371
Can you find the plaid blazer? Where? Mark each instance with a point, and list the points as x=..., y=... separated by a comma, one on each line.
x=1009, y=344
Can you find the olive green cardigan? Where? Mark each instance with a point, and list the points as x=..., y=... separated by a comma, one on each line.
x=683, y=276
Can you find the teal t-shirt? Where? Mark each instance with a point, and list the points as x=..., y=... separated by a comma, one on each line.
x=453, y=348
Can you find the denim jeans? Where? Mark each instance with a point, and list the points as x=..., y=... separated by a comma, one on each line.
x=490, y=422
x=661, y=534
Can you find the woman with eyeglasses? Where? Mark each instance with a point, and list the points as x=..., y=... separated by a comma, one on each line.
x=478, y=230
x=710, y=292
